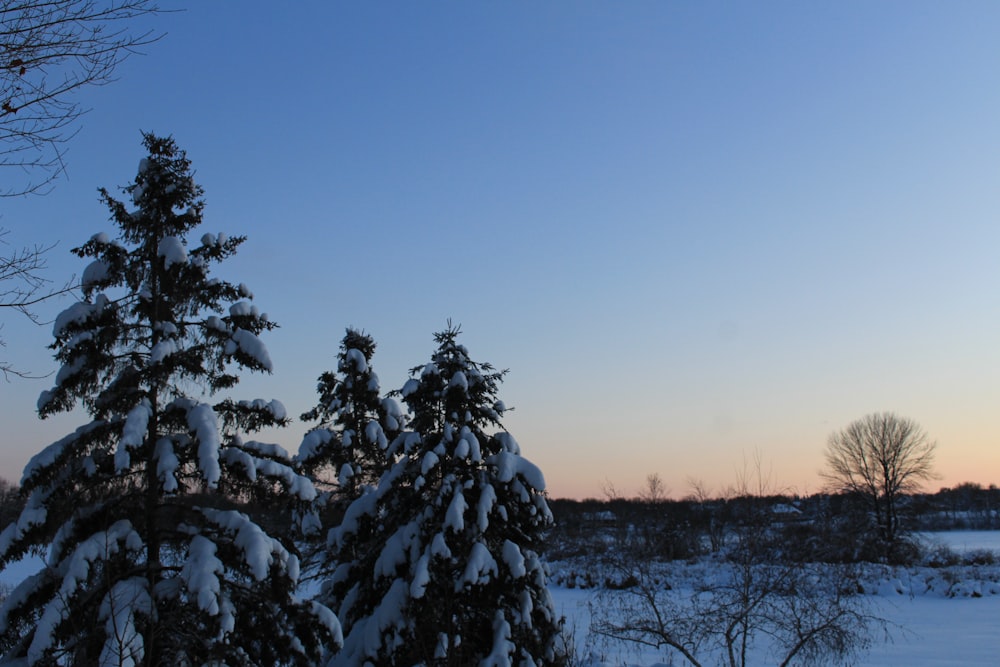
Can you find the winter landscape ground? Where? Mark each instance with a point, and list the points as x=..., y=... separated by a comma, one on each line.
x=940, y=616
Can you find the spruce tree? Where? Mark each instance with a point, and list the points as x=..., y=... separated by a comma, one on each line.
x=145, y=511
x=439, y=564
x=355, y=423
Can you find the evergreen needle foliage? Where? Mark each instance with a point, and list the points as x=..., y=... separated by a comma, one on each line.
x=153, y=555
x=438, y=564
x=356, y=424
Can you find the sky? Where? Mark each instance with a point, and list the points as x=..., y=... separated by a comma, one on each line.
x=698, y=234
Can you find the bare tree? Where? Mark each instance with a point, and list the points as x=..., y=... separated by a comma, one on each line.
x=708, y=511
x=655, y=491
x=49, y=51
x=761, y=604
x=794, y=613
x=611, y=492
x=880, y=458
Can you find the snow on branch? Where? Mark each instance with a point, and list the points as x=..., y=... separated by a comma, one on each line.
x=397, y=550
x=78, y=313
x=95, y=273
x=314, y=444
x=124, y=646
x=202, y=420
x=510, y=465
x=167, y=464
x=34, y=514
x=250, y=345
x=479, y=568
x=455, y=516
x=163, y=349
x=201, y=573
x=514, y=559
x=260, y=551
x=172, y=250
x=329, y=621
x=487, y=499
x=503, y=647
x=75, y=571
x=133, y=434
x=51, y=454
x=242, y=454
x=18, y=597
x=355, y=361
x=276, y=409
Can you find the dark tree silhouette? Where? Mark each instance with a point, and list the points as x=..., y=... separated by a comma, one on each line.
x=153, y=556
x=880, y=458
x=439, y=564
x=49, y=51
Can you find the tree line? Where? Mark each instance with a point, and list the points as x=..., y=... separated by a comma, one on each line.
x=819, y=527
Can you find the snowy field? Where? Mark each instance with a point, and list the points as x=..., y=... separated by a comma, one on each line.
x=933, y=631
x=964, y=541
x=955, y=621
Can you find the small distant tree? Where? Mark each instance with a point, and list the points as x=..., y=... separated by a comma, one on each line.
x=709, y=513
x=655, y=491
x=51, y=50
x=880, y=458
x=152, y=556
x=355, y=423
x=440, y=564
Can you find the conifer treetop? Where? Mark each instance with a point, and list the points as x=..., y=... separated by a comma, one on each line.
x=154, y=287
x=454, y=389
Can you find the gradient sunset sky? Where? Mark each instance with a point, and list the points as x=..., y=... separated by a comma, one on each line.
x=694, y=232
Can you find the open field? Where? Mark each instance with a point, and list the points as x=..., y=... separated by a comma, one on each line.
x=939, y=616
x=933, y=632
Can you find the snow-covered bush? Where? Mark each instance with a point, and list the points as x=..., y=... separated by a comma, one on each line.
x=438, y=564
x=152, y=557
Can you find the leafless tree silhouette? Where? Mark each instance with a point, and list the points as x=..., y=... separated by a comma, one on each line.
x=49, y=51
x=880, y=457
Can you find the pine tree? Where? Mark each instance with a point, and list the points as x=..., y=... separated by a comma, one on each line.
x=355, y=423
x=153, y=557
x=439, y=564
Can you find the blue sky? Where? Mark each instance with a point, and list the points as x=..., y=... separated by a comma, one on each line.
x=694, y=232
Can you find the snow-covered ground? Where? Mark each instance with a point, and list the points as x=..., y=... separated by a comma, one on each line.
x=952, y=620
x=938, y=618
x=964, y=541
x=932, y=631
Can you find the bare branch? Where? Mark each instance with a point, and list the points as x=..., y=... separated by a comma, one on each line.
x=655, y=491
x=22, y=286
x=880, y=458
x=49, y=51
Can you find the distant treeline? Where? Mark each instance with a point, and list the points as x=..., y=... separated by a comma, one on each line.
x=817, y=527
x=826, y=527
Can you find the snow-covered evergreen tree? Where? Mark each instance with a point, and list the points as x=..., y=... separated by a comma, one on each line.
x=153, y=557
x=355, y=423
x=439, y=564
